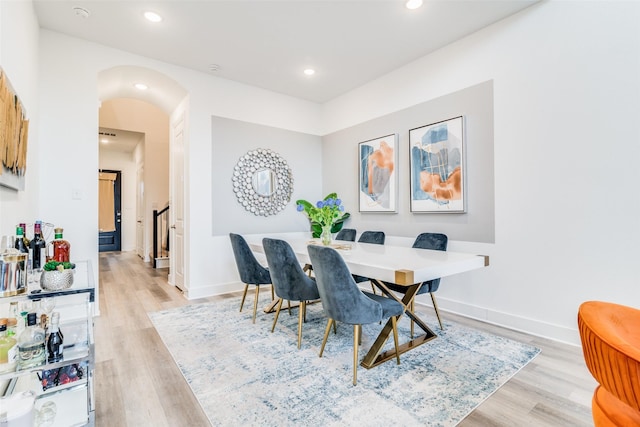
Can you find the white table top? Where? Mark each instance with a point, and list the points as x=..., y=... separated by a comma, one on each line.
x=395, y=264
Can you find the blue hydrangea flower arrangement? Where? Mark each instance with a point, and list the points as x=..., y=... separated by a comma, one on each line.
x=327, y=214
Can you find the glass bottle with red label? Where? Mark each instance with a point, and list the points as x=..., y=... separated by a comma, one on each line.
x=61, y=248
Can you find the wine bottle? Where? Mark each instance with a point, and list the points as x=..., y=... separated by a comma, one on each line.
x=21, y=247
x=54, y=343
x=37, y=247
x=20, y=244
x=25, y=239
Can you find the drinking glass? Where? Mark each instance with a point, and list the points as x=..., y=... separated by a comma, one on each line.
x=47, y=305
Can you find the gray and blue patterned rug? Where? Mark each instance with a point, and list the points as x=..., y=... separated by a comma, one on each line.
x=244, y=375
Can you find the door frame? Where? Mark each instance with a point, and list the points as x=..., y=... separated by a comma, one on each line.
x=117, y=213
x=178, y=191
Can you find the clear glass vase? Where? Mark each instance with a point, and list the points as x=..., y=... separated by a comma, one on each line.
x=325, y=237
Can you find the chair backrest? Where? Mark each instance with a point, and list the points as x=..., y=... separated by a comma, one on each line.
x=435, y=241
x=348, y=234
x=250, y=270
x=342, y=300
x=611, y=347
x=289, y=281
x=376, y=237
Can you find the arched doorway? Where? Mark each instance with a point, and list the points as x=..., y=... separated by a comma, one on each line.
x=167, y=95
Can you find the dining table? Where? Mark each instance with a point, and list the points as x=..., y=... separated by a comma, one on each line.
x=401, y=265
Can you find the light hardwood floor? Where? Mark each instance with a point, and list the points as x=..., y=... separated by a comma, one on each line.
x=138, y=383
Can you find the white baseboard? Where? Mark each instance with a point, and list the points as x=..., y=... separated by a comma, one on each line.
x=162, y=262
x=507, y=320
x=212, y=290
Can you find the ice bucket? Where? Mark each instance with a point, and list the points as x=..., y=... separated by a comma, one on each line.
x=13, y=274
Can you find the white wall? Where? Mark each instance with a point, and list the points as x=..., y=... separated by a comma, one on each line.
x=567, y=103
x=124, y=162
x=19, y=60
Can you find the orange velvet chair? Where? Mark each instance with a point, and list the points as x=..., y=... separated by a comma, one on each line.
x=610, y=335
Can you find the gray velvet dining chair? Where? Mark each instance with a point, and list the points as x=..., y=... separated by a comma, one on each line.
x=343, y=301
x=289, y=280
x=435, y=241
x=346, y=234
x=250, y=270
x=376, y=238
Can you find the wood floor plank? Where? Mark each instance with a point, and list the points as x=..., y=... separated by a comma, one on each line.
x=139, y=384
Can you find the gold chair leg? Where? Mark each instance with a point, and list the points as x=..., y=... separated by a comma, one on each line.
x=326, y=335
x=394, y=325
x=255, y=303
x=335, y=329
x=301, y=321
x=373, y=288
x=273, y=295
x=244, y=295
x=289, y=306
x=275, y=319
x=356, y=341
x=435, y=306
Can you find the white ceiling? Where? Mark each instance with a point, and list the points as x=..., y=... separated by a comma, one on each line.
x=268, y=44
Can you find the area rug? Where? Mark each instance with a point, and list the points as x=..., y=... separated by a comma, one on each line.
x=244, y=375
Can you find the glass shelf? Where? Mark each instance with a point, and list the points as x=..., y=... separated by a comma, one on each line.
x=74, y=401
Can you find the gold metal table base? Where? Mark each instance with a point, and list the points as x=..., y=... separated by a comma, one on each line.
x=374, y=357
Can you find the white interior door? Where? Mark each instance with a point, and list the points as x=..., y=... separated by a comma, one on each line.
x=176, y=210
x=140, y=211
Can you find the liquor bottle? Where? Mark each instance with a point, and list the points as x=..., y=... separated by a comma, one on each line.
x=31, y=348
x=20, y=241
x=61, y=248
x=8, y=349
x=37, y=247
x=54, y=343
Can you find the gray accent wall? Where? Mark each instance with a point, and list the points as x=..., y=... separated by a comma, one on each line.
x=232, y=139
x=340, y=167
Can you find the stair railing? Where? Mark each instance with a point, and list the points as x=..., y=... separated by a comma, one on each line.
x=160, y=234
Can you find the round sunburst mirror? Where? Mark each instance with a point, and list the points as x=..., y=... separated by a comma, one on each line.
x=262, y=182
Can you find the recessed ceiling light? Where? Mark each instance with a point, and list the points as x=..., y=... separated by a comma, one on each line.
x=152, y=16
x=104, y=140
x=413, y=4
x=81, y=12
x=309, y=72
x=141, y=86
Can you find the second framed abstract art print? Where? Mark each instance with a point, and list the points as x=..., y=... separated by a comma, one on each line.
x=438, y=167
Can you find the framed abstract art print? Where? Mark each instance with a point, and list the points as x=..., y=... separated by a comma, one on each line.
x=378, y=177
x=438, y=167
